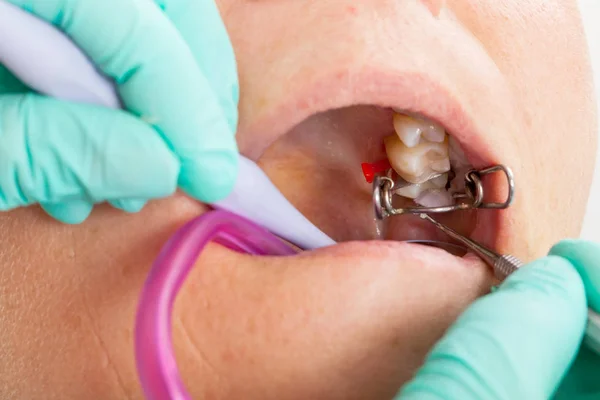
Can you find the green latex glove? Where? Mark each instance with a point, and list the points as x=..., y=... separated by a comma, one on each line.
x=583, y=380
x=176, y=75
x=520, y=341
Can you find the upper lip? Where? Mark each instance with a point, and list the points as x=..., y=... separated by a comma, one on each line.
x=414, y=92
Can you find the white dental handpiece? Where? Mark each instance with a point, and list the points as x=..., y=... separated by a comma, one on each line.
x=46, y=60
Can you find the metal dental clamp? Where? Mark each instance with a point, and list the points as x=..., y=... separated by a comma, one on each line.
x=384, y=186
x=503, y=265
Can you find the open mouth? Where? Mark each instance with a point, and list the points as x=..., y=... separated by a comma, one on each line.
x=317, y=166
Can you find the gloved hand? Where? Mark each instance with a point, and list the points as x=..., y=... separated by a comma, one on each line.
x=519, y=341
x=582, y=381
x=175, y=69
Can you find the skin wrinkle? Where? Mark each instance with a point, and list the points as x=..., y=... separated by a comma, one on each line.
x=353, y=321
x=105, y=352
x=196, y=350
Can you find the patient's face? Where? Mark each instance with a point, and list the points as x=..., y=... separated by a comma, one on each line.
x=509, y=79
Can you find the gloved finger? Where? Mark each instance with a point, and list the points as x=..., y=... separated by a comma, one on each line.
x=201, y=25
x=76, y=211
x=54, y=152
x=73, y=212
x=128, y=205
x=585, y=257
x=158, y=79
x=515, y=343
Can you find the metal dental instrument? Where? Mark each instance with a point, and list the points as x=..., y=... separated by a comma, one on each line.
x=502, y=264
x=384, y=187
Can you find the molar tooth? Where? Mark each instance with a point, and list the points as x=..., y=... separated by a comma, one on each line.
x=435, y=198
x=418, y=152
x=433, y=132
x=441, y=165
x=416, y=189
x=439, y=181
x=413, y=191
x=413, y=129
x=408, y=129
x=414, y=164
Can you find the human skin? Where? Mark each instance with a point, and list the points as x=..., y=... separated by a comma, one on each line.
x=511, y=78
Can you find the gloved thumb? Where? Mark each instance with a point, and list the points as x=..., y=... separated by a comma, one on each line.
x=515, y=343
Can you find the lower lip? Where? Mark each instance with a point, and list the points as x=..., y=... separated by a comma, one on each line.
x=422, y=253
x=454, y=249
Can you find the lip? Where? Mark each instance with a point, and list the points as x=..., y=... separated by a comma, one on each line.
x=413, y=92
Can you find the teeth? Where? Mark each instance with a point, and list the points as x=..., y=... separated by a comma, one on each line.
x=420, y=149
x=415, y=190
x=408, y=129
x=411, y=128
x=435, y=198
x=441, y=165
x=419, y=152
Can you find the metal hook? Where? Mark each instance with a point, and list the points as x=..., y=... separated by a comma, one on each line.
x=476, y=176
x=383, y=187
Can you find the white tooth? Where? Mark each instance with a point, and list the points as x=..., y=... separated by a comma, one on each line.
x=415, y=190
x=408, y=129
x=434, y=132
x=412, y=128
x=414, y=164
x=420, y=151
x=434, y=198
x=439, y=181
x=441, y=165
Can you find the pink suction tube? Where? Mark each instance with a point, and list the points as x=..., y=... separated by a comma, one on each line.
x=45, y=59
x=48, y=61
x=156, y=364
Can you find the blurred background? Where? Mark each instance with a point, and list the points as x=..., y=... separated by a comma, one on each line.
x=591, y=18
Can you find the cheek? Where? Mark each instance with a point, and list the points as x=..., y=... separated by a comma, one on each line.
x=345, y=325
x=540, y=48
x=68, y=296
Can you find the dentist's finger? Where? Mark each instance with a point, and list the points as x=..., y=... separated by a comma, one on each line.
x=158, y=79
x=73, y=212
x=201, y=25
x=128, y=205
x=515, y=343
x=55, y=153
x=76, y=211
